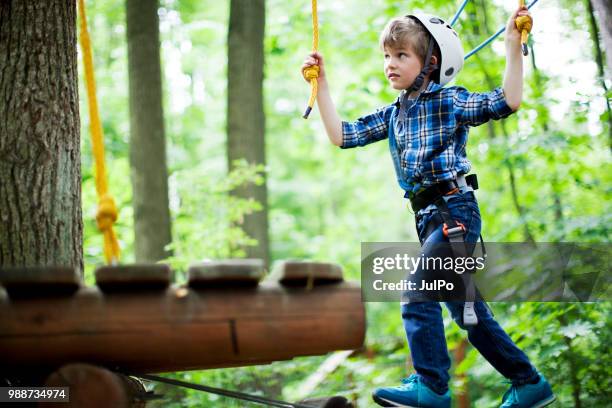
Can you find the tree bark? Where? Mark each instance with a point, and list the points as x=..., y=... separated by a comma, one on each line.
x=605, y=17
x=245, y=113
x=603, y=10
x=40, y=168
x=149, y=173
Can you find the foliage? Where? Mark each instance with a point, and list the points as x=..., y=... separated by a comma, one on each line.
x=218, y=214
x=324, y=202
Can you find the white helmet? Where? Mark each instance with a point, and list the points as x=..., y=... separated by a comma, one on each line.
x=451, y=51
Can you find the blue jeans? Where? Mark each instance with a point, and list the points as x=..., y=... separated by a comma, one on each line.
x=425, y=328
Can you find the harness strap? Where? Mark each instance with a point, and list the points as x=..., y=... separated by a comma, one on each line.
x=395, y=155
x=454, y=231
x=458, y=247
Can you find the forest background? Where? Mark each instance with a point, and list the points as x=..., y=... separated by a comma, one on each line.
x=544, y=176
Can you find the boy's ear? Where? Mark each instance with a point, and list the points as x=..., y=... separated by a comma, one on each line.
x=434, y=60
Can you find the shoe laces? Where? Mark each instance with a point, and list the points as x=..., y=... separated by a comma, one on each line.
x=412, y=379
x=512, y=392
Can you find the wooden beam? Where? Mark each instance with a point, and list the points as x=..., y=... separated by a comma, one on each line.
x=180, y=328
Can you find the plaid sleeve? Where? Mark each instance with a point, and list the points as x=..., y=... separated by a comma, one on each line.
x=473, y=108
x=367, y=129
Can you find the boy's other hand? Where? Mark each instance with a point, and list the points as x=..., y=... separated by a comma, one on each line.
x=314, y=58
x=513, y=35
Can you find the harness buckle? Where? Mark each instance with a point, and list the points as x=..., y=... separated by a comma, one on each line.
x=459, y=229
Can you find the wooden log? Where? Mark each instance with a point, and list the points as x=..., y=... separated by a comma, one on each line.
x=180, y=328
x=96, y=387
x=328, y=402
x=228, y=273
x=133, y=277
x=38, y=281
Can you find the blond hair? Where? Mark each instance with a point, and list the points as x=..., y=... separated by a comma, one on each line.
x=405, y=30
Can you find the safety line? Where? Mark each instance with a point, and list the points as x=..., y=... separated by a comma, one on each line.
x=456, y=17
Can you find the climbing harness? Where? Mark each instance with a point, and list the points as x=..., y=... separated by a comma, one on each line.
x=454, y=231
x=107, y=209
x=334, y=402
x=311, y=74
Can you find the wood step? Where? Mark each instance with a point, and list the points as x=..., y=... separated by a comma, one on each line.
x=306, y=273
x=40, y=281
x=226, y=273
x=135, y=277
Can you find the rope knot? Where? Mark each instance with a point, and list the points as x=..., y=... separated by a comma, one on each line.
x=524, y=23
x=311, y=73
x=107, y=213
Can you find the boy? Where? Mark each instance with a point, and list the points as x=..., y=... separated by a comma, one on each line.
x=427, y=127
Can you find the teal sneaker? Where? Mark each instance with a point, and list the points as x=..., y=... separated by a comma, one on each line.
x=529, y=395
x=413, y=393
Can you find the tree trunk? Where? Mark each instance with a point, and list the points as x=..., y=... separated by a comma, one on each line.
x=245, y=114
x=605, y=17
x=555, y=189
x=147, y=140
x=572, y=365
x=603, y=10
x=462, y=390
x=40, y=167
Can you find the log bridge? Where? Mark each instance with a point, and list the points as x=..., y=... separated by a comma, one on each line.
x=137, y=321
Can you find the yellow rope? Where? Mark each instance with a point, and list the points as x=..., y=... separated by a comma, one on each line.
x=524, y=25
x=107, y=210
x=312, y=73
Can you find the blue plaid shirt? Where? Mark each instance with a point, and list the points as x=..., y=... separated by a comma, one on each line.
x=431, y=130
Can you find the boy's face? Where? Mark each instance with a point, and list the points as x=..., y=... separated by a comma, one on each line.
x=402, y=66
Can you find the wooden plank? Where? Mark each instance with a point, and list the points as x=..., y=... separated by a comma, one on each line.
x=306, y=273
x=35, y=281
x=180, y=329
x=226, y=273
x=133, y=277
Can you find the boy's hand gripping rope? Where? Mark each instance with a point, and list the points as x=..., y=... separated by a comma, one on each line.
x=494, y=36
x=312, y=73
x=107, y=210
x=524, y=25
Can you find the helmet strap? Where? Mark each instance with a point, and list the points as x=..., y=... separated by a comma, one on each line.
x=427, y=68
